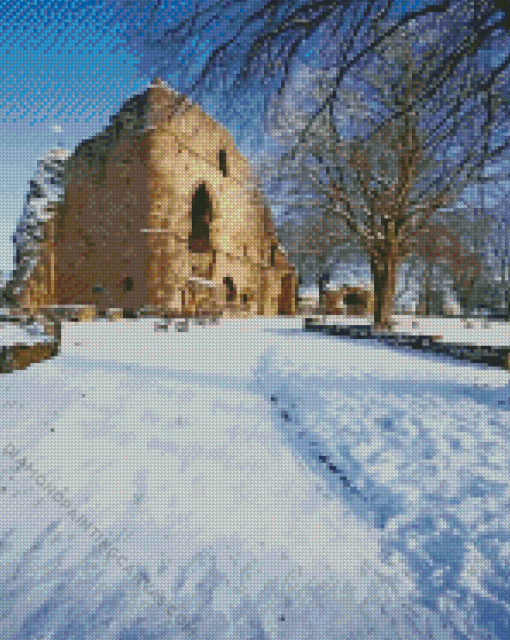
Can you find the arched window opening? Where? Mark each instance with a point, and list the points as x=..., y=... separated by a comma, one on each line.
x=231, y=289
x=223, y=162
x=352, y=298
x=273, y=254
x=128, y=283
x=287, y=292
x=201, y=215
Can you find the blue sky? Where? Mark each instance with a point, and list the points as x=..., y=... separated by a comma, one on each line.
x=65, y=69
x=61, y=78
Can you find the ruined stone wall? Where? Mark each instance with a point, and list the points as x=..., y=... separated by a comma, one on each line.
x=41, y=285
x=185, y=155
x=100, y=242
x=122, y=233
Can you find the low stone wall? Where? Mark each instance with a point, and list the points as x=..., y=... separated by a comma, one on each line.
x=20, y=356
x=498, y=356
x=151, y=311
x=76, y=313
x=115, y=313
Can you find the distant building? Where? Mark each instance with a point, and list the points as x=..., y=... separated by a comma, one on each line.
x=308, y=302
x=347, y=300
x=159, y=210
x=334, y=299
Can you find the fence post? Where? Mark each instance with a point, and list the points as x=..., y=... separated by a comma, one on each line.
x=58, y=336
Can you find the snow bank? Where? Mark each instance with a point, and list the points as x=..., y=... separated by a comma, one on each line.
x=205, y=460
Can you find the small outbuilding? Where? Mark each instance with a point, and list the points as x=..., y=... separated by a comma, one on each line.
x=348, y=300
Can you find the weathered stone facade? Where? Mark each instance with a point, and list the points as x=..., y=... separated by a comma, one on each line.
x=159, y=210
x=40, y=288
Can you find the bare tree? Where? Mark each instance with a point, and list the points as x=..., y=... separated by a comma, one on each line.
x=370, y=185
x=227, y=44
x=389, y=171
x=374, y=197
x=237, y=46
x=366, y=188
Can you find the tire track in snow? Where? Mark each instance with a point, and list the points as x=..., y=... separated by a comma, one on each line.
x=370, y=501
x=324, y=459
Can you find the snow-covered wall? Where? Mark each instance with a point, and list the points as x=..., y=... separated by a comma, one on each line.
x=45, y=191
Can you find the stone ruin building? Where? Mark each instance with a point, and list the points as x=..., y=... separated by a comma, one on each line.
x=158, y=210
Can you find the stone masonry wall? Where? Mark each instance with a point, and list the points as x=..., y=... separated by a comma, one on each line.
x=121, y=235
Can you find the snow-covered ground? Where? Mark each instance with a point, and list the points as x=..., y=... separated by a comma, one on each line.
x=11, y=333
x=266, y=483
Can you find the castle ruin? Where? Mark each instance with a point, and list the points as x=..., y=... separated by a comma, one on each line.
x=160, y=210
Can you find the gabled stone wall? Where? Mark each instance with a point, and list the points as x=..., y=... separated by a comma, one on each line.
x=121, y=237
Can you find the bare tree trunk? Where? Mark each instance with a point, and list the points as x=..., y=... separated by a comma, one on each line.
x=428, y=290
x=465, y=297
x=384, y=275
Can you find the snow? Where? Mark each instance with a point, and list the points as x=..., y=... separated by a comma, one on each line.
x=472, y=331
x=11, y=334
x=203, y=281
x=45, y=192
x=271, y=483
